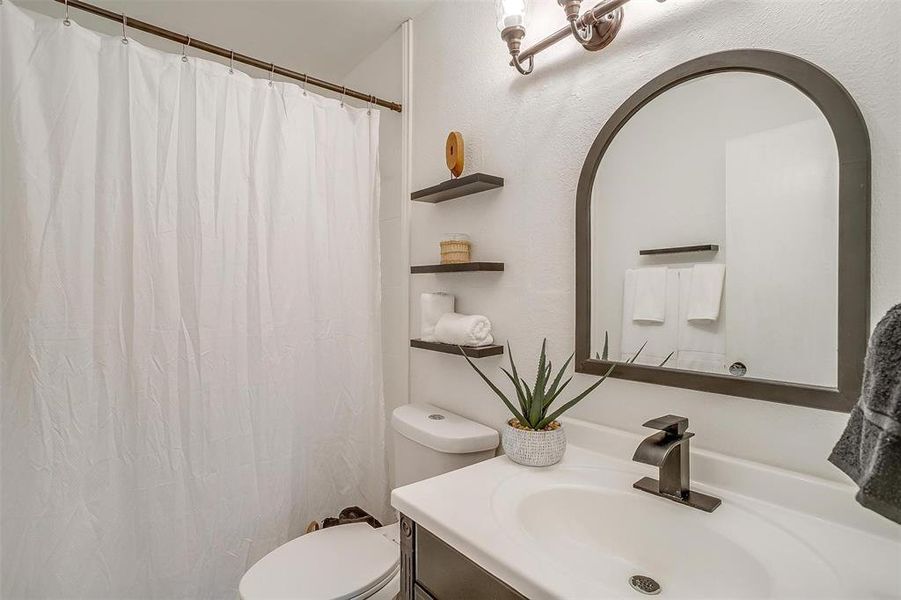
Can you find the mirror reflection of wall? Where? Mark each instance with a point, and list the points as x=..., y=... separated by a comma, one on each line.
x=744, y=162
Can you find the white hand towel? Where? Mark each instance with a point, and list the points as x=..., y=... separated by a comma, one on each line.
x=702, y=344
x=661, y=336
x=431, y=307
x=706, y=292
x=464, y=330
x=650, y=295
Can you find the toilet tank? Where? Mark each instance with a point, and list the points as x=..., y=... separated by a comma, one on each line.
x=429, y=441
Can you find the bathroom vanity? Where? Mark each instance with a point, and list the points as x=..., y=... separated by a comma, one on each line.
x=579, y=529
x=431, y=569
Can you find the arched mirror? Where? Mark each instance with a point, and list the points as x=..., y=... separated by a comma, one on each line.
x=723, y=233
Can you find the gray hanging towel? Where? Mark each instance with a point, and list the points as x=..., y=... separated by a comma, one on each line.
x=869, y=451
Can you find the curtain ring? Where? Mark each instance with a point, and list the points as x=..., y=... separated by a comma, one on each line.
x=371, y=100
x=66, y=21
x=305, y=77
x=271, y=73
x=124, y=25
x=343, y=92
x=184, y=49
x=231, y=62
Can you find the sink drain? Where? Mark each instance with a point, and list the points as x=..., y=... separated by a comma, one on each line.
x=644, y=584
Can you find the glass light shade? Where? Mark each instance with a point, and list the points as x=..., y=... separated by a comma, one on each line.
x=510, y=13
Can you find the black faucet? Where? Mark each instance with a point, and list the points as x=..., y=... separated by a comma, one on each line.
x=668, y=450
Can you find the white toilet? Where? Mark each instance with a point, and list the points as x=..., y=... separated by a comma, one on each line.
x=357, y=561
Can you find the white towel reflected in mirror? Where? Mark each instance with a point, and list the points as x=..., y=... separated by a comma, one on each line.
x=706, y=292
x=650, y=294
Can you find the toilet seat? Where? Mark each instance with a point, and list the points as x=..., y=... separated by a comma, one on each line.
x=347, y=562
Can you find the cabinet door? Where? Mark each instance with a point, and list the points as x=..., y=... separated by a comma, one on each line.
x=447, y=575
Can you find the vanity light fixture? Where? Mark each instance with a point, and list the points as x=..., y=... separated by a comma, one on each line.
x=594, y=29
x=511, y=22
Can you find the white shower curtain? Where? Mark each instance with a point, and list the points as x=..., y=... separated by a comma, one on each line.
x=189, y=316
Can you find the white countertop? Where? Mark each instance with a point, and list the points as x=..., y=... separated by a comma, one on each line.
x=475, y=510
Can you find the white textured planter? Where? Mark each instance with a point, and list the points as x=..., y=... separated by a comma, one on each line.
x=534, y=448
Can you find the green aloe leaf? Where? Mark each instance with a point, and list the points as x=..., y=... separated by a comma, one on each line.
x=545, y=391
x=528, y=391
x=635, y=357
x=560, y=390
x=520, y=395
x=494, y=388
x=526, y=400
x=540, y=383
x=552, y=392
x=606, y=351
x=550, y=419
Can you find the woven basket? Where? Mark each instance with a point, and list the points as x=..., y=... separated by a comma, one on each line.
x=455, y=251
x=534, y=448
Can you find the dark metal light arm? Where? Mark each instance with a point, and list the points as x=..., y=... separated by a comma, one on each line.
x=602, y=22
x=523, y=70
x=582, y=32
x=582, y=38
x=513, y=37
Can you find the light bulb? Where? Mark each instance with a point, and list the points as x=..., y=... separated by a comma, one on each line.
x=510, y=13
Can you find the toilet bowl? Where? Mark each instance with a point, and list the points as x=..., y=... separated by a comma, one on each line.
x=350, y=562
x=347, y=562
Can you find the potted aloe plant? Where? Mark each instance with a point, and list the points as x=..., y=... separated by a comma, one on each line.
x=533, y=436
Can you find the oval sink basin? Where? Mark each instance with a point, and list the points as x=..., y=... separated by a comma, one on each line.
x=591, y=523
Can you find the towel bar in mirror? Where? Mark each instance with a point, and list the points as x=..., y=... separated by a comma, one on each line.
x=680, y=249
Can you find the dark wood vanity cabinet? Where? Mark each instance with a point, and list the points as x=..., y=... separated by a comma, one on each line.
x=431, y=570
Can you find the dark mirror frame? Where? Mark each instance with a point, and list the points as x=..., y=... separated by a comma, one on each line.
x=851, y=137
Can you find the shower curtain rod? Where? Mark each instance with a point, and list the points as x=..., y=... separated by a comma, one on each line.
x=226, y=53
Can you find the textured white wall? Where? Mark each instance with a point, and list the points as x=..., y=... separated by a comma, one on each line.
x=535, y=131
x=381, y=73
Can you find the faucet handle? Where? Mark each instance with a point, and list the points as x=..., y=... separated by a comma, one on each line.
x=671, y=424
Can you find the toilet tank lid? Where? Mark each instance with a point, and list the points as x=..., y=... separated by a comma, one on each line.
x=441, y=430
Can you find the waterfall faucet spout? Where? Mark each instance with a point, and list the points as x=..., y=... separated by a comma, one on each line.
x=668, y=450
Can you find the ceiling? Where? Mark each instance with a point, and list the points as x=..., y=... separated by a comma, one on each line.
x=326, y=38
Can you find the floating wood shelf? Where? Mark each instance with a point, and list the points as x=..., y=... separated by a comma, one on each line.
x=455, y=188
x=679, y=249
x=471, y=351
x=458, y=267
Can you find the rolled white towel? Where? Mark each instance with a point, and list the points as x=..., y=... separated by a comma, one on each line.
x=464, y=330
x=431, y=307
